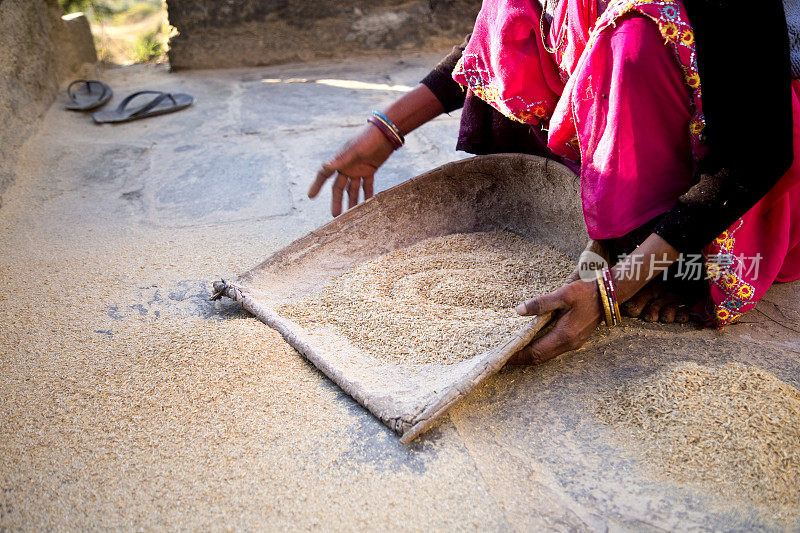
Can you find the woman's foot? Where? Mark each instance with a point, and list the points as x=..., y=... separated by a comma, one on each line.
x=665, y=301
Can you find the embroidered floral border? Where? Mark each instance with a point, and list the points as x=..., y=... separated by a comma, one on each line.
x=673, y=23
x=515, y=108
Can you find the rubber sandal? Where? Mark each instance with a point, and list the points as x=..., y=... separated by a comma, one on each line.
x=85, y=95
x=161, y=104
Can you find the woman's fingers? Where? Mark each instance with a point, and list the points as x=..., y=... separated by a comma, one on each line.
x=353, y=187
x=543, y=304
x=367, y=183
x=341, y=161
x=579, y=315
x=338, y=192
x=322, y=176
x=554, y=343
x=353, y=190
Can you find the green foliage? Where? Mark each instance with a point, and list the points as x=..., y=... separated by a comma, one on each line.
x=124, y=30
x=147, y=48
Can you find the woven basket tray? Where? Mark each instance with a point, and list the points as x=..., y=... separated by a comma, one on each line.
x=527, y=195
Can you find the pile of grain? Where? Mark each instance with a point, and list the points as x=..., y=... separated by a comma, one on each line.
x=442, y=300
x=734, y=429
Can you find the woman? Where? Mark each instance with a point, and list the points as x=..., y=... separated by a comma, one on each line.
x=649, y=97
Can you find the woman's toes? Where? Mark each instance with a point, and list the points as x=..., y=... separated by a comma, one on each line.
x=682, y=315
x=668, y=313
x=652, y=311
x=657, y=302
x=636, y=305
x=630, y=309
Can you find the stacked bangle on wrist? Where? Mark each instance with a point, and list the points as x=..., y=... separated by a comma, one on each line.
x=388, y=128
x=611, y=291
x=608, y=297
x=601, y=286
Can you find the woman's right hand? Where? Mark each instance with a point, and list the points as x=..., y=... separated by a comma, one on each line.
x=355, y=166
x=360, y=158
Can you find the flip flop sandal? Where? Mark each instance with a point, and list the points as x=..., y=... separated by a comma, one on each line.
x=87, y=94
x=161, y=104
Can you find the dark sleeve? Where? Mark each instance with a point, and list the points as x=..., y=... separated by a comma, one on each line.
x=440, y=80
x=748, y=109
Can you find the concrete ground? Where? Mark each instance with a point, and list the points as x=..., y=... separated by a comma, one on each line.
x=130, y=401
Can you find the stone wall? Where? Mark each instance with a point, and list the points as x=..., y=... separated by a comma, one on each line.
x=235, y=33
x=37, y=50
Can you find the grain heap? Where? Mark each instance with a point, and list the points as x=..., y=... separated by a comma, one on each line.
x=732, y=428
x=442, y=300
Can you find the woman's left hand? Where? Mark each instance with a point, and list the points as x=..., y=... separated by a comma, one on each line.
x=578, y=311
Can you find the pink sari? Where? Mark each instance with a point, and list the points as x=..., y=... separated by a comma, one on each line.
x=507, y=35
x=631, y=113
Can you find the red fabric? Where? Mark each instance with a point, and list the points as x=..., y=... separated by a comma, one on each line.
x=506, y=64
x=764, y=245
x=628, y=112
x=631, y=108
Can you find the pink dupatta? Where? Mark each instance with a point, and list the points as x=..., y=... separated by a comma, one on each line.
x=506, y=65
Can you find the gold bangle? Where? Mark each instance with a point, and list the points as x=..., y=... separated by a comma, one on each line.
x=611, y=293
x=604, y=299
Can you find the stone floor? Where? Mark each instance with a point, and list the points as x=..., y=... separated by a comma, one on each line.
x=130, y=401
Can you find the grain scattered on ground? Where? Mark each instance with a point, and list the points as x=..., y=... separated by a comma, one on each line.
x=131, y=402
x=732, y=429
x=442, y=300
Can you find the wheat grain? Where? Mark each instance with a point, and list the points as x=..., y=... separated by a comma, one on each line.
x=442, y=300
x=734, y=429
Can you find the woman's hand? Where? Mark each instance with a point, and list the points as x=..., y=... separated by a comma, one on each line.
x=578, y=306
x=578, y=312
x=356, y=163
x=355, y=167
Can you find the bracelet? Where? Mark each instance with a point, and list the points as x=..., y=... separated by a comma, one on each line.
x=601, y=286
x=396, y=145
x=383, y=118
x=611, y=292
x=391, y=125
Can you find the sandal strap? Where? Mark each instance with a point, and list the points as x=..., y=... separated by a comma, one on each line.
x=88, y=83
x=144, y=109
x=71, y=93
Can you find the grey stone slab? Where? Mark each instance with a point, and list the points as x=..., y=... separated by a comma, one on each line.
x=199, y=183
x=88, y=180
x=102, y=167
x=304, y=152
x=288, y=98
x=183, y=298
x=406, y=69
x=277, y=104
